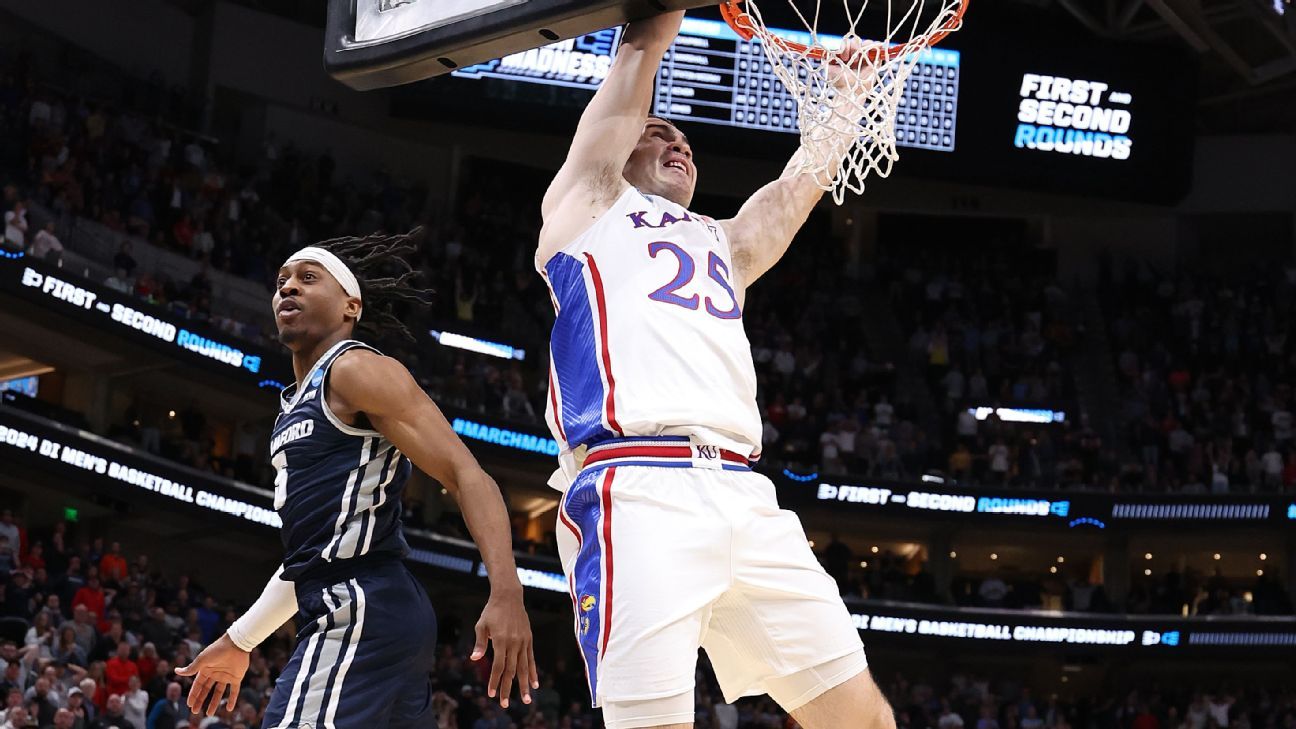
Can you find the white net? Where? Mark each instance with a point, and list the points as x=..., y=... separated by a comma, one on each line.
x=848, y=91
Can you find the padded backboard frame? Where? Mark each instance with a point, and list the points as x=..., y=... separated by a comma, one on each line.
x=461, y=33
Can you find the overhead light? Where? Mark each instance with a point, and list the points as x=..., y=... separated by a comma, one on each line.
x=1147, y=556
x=480, y=346
x=1259, y=573
x=864, y=565
x=1061, y=559
x=812, y=544
x=1147, y=573
x=1053, y=569
x=170, y=413
x=875, y=549
x=1263, y=556
x=994, y=556
x=953, y=555
x=1217, y=556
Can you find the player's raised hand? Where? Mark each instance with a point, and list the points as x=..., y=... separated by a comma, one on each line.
x=660, y=28
x=220, y=666
x=855, y=65
x=504, y=624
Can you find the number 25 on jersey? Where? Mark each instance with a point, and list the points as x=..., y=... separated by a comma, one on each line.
x=717, y=271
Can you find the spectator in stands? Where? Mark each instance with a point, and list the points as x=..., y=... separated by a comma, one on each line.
x=120, y=670
x=8, y=555
x=67, y=650
x=80, y=709
x=998, y=456
x=170, y=711
x=136, y=703
x=114, y=715
x=120, y=282
x=13, y=683
x=19, y=596
x=44, y=703
x=203, y=242
x=988, y=719
x=182, y=234
x=124, y=261
x=92, y=596
x=16, y=718
x=83, y=624
x=46, y=246
x=112, y=566
x=10, y=529
x=64, y=719
x=41, y=632
x=15, y=220
x=948, y=719
x=156, y=631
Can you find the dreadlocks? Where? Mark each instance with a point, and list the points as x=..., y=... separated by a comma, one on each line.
x=379, y=263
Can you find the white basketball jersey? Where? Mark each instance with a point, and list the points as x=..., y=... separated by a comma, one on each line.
x=649, y=339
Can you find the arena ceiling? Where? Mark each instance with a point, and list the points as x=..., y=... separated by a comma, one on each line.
x=1247, y=48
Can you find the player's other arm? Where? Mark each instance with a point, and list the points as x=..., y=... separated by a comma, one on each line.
x=221, y=666
x=764, y=227
x=766, y=224
x=380, y=387
x=590, y=179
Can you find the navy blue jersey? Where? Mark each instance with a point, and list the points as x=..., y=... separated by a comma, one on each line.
x=338, y=486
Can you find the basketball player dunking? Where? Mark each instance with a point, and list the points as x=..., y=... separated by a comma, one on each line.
x=669, y=540
x=342, y=446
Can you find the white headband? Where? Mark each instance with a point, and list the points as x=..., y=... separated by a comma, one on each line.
x=333, y=265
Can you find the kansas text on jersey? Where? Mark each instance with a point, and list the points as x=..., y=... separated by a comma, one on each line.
x=337, y=486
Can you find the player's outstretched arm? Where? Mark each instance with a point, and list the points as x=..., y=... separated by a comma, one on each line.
x=590, y=180
x=766, y=224
x=361, y=381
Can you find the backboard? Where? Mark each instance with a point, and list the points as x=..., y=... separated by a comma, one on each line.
x=375, y=43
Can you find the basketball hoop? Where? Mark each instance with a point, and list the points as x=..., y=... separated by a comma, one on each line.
x=847, y=106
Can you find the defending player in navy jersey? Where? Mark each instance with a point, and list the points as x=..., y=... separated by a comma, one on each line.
x=342, y=448
x=669, y=540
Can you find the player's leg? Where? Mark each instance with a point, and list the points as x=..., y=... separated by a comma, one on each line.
x=277, y=709
x=783, y=629
x=644, y=560
x=856, y=703
x=361, y=669
x=412, y=704
x=668, y=712
x=325, y=652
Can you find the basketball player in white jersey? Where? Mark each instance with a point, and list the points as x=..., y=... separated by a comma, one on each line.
x=668, y=539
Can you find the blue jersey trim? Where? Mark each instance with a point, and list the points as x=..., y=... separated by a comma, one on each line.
x=575, y=354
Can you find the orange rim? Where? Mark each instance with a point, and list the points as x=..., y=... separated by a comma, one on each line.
x=746, y=28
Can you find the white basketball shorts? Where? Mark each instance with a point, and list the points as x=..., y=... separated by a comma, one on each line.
x=668, y=546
